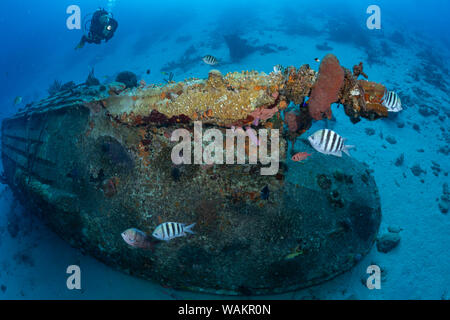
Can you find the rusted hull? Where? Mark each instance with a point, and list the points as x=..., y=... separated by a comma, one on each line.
x=93, y=174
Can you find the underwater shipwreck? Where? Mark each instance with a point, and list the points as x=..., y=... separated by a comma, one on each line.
x=95, y=160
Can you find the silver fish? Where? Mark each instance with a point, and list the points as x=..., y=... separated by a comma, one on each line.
x=212, y=61
x=392, y=101
x=137, y=238
x=327, y=141
x=170, y=230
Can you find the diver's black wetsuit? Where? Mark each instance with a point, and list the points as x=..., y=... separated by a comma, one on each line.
x=102, y=27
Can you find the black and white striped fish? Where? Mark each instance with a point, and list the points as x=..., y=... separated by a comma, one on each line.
x=392, y=101
x=278, y=69
x=327, y=141
x=169, y=230
x=212, y=61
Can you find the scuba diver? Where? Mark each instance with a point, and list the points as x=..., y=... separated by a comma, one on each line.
x=102, y=27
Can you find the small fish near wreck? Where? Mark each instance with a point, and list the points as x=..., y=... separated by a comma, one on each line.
x=137, y=239
x=210, y=60
x=327, y=141
x=300, y=156
x=171, y=230
x=278, y=69
x=392, y=102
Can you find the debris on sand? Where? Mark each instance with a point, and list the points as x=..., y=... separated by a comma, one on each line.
x=394, y=229
x=444, y=201
x=400, y=160
x=240, y=48
x=370, y=131
x=387, y=242
x=417, y=170
x=391, y=140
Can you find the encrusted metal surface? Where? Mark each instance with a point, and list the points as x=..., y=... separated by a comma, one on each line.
x=96, y=161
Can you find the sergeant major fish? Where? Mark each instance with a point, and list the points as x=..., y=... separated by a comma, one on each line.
x=278, y=69
x=137, y=239
x=212, y=61
x=327, y=141
x=169, y=230
x=392, y=101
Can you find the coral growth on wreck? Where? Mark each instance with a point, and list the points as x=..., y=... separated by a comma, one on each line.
x=326, y=89
x=68, y=86
x=298, y=83
x=373, y=94
x=358, y=70
x=54, y=88
x=57, y=86
x=91, y=79
x=263, y=114
x=297, y=121
x=247, y=98
x=362, y=98
x=229, y=98
x=291, y=121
